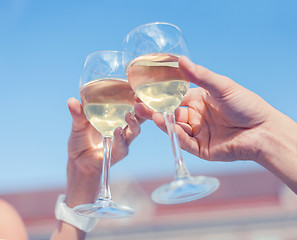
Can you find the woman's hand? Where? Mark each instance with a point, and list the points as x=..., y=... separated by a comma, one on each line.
x=85, y=154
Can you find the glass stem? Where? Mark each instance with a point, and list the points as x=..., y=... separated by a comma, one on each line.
x=180, y=168
x=105, y=189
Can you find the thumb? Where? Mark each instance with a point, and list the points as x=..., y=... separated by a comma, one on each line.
x=77, y=114
x=215, y=84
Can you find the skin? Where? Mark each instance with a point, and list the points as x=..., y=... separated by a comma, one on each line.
x=84, y=162
x=9, y=217
x=85, y=155
x=223, y=121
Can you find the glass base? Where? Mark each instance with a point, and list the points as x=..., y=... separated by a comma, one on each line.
x=104, y=209
x=185, y=190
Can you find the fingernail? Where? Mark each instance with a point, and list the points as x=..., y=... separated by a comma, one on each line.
x=70, y=99
x=131, y=116
x=118, y=131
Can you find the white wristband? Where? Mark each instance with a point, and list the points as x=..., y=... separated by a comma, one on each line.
x=66, y=214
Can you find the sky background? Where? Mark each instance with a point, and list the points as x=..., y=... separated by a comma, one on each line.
x=43, y=45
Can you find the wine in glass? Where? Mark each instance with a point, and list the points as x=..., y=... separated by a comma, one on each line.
x=106, y=98
x=153, y=73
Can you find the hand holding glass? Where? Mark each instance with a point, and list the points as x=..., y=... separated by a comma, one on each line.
x=106, y=98
x=153, y=74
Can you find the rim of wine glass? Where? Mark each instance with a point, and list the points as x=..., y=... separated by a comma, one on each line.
x=102, y=51
x=158, y=23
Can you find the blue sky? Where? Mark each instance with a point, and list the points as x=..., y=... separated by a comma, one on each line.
x=43, y=45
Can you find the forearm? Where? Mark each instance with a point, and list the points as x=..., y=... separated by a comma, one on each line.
x=66, y=231
x=278, y=151
x=81, y=189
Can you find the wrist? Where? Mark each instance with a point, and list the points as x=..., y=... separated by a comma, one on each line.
x=278, y=140
x=278, y=149
x=82, y=187
x=65, y=214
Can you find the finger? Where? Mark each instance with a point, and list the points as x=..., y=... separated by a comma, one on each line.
x=216, y=84
x=186, y=128
x=120, y=147
x=187, y=142
x=77, y=114
x=159, y=121
x=142, y=111
x=133, y=128
x=182, y=119
x=181, y=114
x=195, y=96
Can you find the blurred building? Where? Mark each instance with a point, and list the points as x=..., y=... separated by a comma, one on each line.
x=247, y=206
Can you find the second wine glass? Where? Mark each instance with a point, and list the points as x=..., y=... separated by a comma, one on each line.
x=106, y=98
x=153, y=74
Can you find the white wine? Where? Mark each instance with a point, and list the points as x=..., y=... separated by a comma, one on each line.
x=157, y=82
x=106, y=102
x=107, y=117
x=163, y=97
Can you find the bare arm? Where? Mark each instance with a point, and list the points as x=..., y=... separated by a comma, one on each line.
x=224, y=121
x=84, y=163
x=11, y=224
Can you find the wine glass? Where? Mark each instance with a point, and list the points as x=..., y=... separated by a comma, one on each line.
x=106, y=98
x=153, y=73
